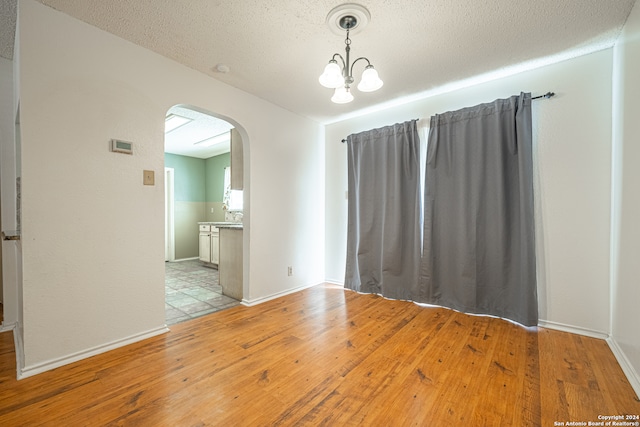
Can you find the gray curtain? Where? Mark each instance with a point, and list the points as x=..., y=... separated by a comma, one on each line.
x=479, y=247
x=383, y=235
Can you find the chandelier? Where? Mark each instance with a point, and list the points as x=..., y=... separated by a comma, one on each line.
x=340, y=76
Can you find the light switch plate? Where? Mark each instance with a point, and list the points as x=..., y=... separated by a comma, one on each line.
x=148, y=178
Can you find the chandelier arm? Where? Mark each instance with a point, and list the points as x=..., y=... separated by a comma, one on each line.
x=354, y=63
x=333, y=58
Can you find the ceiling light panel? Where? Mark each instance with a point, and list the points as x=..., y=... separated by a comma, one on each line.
x=173, y=121
x=218, y=139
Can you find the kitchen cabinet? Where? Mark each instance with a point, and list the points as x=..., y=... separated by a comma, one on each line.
x=215, y=247
x=237, y=160
x=204, y=253
x=209, y=244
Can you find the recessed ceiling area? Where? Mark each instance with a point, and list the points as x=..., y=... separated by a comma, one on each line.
x=199, y=135
x=276, y=50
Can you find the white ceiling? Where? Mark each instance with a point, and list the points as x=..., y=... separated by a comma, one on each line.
x=276, y=49
x=186, y=139
x=7, y=27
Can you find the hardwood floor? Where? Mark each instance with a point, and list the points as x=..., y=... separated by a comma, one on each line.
x=325, y=356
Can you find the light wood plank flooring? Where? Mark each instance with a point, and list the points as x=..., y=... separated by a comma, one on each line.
x=326, y=356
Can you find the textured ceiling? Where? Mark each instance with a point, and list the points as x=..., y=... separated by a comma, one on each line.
x=276, y=49
x=7, y=27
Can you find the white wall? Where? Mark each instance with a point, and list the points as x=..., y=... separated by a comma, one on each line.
x=7, y=120
x=10, y=249
x=93, y=241
x=626, y=198
x=572, y=141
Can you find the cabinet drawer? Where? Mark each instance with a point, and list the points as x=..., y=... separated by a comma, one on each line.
x=215, y=229
x=205, y=228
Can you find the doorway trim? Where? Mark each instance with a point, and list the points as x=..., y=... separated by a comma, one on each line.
x=246, y=217
x=169, y=226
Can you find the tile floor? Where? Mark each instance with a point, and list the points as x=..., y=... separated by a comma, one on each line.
x=192, y=290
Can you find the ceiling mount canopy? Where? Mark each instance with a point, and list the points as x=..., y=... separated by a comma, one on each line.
x=351, y=18
x=337, y=18
x=348, y=22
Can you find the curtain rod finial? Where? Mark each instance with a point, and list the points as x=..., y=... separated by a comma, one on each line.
x=545, y=96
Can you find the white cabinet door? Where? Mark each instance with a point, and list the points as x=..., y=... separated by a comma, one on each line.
x=215, y=248
x=205, y=247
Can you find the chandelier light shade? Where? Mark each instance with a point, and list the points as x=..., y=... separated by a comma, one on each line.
x=342, y=95
x=332, y=76
x=370, y=81
x=340, y=76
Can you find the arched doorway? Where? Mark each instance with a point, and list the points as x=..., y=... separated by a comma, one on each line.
x=197, y=195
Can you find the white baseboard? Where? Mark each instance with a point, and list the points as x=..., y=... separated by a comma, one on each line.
x=334, y=282
x=256, y=301
x=184, y=259
x=573, y=329
x=28, y=371
x=5, y=327
x=627, y=367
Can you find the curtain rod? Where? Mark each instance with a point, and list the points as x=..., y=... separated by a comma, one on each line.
x=345, y=139
x=545, y=96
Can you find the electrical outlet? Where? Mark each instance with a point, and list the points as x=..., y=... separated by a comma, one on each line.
x=289, y=271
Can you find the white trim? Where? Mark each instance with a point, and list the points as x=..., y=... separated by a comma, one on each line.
x=256, y=301
x=38, y=368
x=334, y=282
x=5, y=327
x=19, y=347
x=185, y=259
x=572, y=329
x=625, y=364
x=169, y=214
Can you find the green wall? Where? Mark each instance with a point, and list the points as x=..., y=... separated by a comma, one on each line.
x=214, y=170
x=198, y=189
x=198, y=180
x=189, y=177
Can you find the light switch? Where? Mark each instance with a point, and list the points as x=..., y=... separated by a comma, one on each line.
x=148, y=178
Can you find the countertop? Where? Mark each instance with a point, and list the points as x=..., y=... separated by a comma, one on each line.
x=236, y=225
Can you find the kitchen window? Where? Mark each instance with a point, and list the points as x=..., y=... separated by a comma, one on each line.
x=232, y=200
